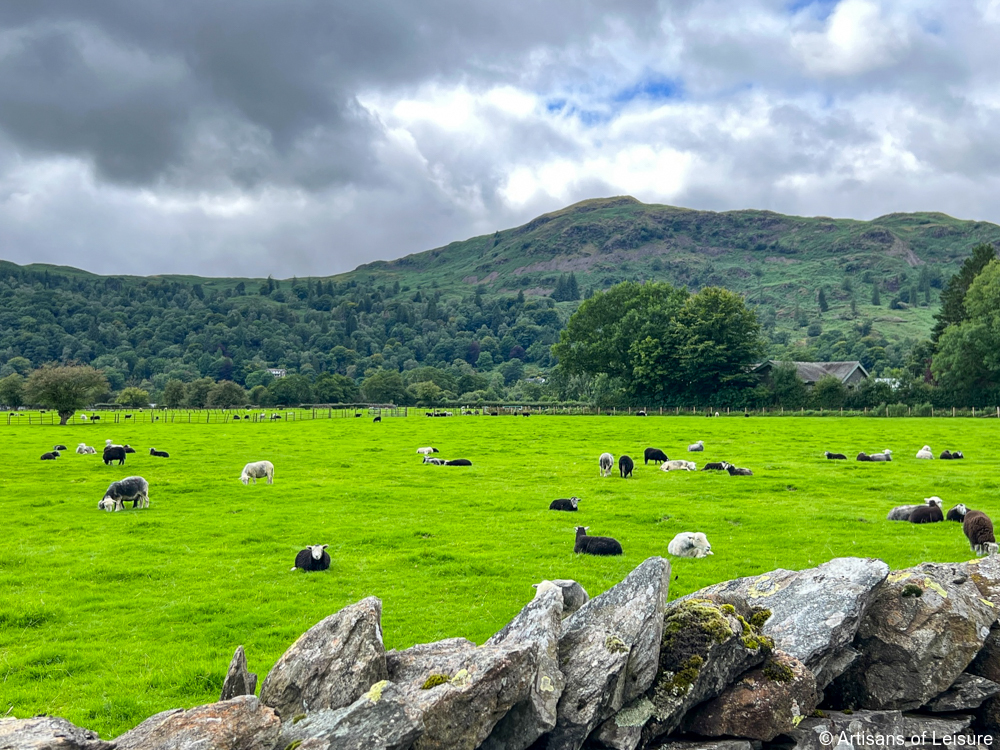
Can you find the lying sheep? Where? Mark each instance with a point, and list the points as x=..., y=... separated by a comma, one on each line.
x=885, y=455
x=118, y=493
x=435, y=461
x=128, y=448
x=257, y=470
x=83, y=449
x=738, y=472
x=835, y=456
x=698, y=446
x=926, y=514
x=573, y=594
x=606, y=462
x=951, y=455
x=595, y=545
x=957, y=513
x=50, y=456
x=863, y=457
x=945, y=455
x=161, y=454
x=902, y=512
x=314, y=557
x=564, y=503
x=625, y=466
x=59, y=447
x=458, y=462
x=678, y=465
x=427, y=451
x=654, y=454
x=690, y=544
x=925, y=453
x=714, y=466
x=978, y=530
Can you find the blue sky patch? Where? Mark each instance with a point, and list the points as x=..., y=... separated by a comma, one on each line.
x=654, y=89
x=820, y=8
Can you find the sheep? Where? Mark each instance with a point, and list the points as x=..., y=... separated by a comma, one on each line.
x=435, y=461
x=161, y=454
x=957, y=455
x=835, y=456
x=563, y=503
x=607, y=462
x=902, y=512
x=128, y=448
x=640, y=413
x=925, y=453
x=114, y=453
x=83, y=449
x=427, y=451
x=595, y=545
x=59, y=448
x=714, y=466
x=690, y=544
x=978, y=530
x=118, y=493
x=50, y=456
x=625, y=466
x=654, y=454
x=885, y=455
x=678, y=465
x=313, y=557
x=738, y=472
x=946, y=455
x=458, y=462
x=696, y=447
x=573, y=594
x=930, y=513
x=377, y=419
x=864, y=457
x=128, y=416
x=957, y=513
x=257, y=470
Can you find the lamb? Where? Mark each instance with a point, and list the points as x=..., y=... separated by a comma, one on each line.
x=313, y=557
x=427, y=451
x=563, y=503
x=714, y=466
x=83, y=449
x=625, y=466
x=161, y=454
x=835, y=456
x=50, y=456
x=978, y=530
x=458, y=462
x=595, y=545
x=435, y=461
x=925, y=453
x=59, y=448
x=573, y=594
x=114, y=453
x=957, y=513
x=902, y=512
x=118, y=493
x=930, y=513
x=257, y=470
x=690, y=544
x=698, y=446
x=738, y=472
x=607, y=462
x=654, y=454
x=678, y=465
x=885, y=455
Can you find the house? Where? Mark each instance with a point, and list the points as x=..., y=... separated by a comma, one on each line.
x=276, y=372
x=849, y=373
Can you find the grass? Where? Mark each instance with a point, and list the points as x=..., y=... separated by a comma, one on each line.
x=107, y=618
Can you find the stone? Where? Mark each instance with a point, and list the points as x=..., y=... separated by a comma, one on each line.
x=968, y=691
x=47, y=733
x=424, y=658
x=766, y=702
x=331, y=665
x=915, y=724
x=673, y=744
x=987, y=661
x=538, y=623
x=242, y=723
x=920, y=631
x=815, y=613
x=238, y=680
x=812, y=732
x=609, y=651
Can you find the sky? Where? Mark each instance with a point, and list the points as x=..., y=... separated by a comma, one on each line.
x=305, y=137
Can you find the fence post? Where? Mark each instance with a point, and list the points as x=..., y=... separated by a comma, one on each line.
x=953, y=411
x=973, y=411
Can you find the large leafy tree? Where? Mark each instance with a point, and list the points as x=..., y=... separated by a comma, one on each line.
x=385, y=387
x=335, y=389
x=12, y=390
x=227, y=394
x=133, y=396
x=65, y=389
x=953, y=310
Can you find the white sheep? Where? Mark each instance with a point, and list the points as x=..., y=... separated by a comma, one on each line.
x=607, y=463
x=427, y=451
x=902, y=512
x=925, y=452
x=84, y=449
x=697, y=446
x=678, y=465
x=690, y=544
x=258, y=470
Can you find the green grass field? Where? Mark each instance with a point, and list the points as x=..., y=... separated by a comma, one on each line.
x=107, y=618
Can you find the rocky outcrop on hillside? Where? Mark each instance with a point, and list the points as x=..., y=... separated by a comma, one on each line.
x=784, y=660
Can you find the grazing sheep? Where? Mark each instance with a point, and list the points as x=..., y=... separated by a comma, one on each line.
x=607, y=462
x=714, y=466
x=118, y=493
x=236, y=417
x=625, y=466
x=690, y=544
x=835, y=456
x=161, y=454
x=59, y=448
x=678, y=465
x=595, y=545
x=885, y=455
x=458, y=462
x=564, y=503
x=377, y=419
x=313, y=557
x=427, y=451
x=50, y=456
x=978, y=530
x=864, y=457
x=128, y=448
x=738, y=472
x=640, y=413
x=654, y=454
x=114, y=453
x=83, y=449
x=573, y=594
x=435, y=461
x=925, y=453
x=957, y=513
x=902, y=512
x=695, y=447
x=258, y=470
x=930, y=513
x=128, y=416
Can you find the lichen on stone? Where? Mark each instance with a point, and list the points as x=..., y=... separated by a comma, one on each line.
x=752, y=637
x=729, y=609
x=297, y=718
x=778, y=672
x=911, y=590
x=293, y=745
x=694, y=623
x=759, y=617
x=374, y=693
x=637, y=715
x=461, y=678
x=936, y=587
x=434, y=680
x=615, y=645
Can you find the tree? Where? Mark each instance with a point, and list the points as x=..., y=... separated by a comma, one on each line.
x=876, y=299
x=65, y=389
x=823, y=304
x=953, y=309
x=227, y=394
x=829, y=393
x=786, y=387
x=426, y=393
x=384, y=387
x=260, y=396
x=133, y=396
x=12, y=391
x=335, y=389
x=291, y=390
x=197, y=392
x=174, y=393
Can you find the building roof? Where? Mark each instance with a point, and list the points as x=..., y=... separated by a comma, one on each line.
x=811, y=372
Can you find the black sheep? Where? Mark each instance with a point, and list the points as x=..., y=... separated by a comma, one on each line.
x=458, y=462
x=161, y=454
x=314, y=557
x=114, y=453
x=714, y=466
x=957, y=455
x=377, y=419
x=50, y=456
x=654, y=454
x=737, y=472
x=59, y=448
x=978, y=530
x=864, y=457
x=957, y=513
x=926, y=514
x=625, y=466
x=128, y=448
x=835, y=456
x=946, y=456
x=564, y=503
x=595, y=545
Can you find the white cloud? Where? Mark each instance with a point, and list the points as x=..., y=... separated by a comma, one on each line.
x=858, y=38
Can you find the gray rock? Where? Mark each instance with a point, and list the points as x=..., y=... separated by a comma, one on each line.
x=916, y=724
x=672, y=744
x=968, y=691
x=609, y=652
x=765, y=702
x=811, y=733
x=47, y=733
x=987, y=661
x=242, y=723
x=539, y=623
x=920, y=631
x=378, y=720
x=417, y=662
x=238, y=680
x=573, y=594
x=331, y=665
x=815, y=613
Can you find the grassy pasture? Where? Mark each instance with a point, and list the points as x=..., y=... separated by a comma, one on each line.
x=107, y=618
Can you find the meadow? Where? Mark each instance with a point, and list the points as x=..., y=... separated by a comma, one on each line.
x=107, y=618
